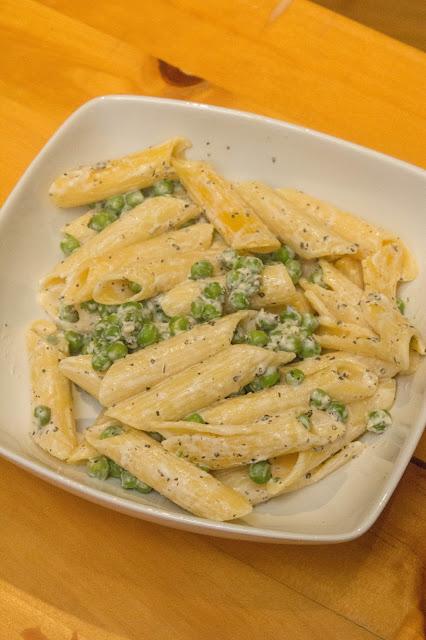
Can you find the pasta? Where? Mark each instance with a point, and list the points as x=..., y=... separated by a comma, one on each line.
x=91, y=183
x=239, y=339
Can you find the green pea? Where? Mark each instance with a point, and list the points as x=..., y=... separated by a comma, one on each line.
x=142, y=487
x=309, y=348
x=156, y=436
x=106, y=310
x=378, y=420
x=197, y=308
x=270, y=378
x=289, y=342
x=114, y=469
x=111, y=431
x=294, y=269
x=305, y=420
x=100, y=362
x=129, y=481
x=213, y=290
x=401, y=305
x=134, y=198
x=75, y=342
x=69, y=244
x=338, y=410
x=317, y=276
x=201, y=269
x=234, y=279
x=115, y=204
x=238, y=300
x=42, y=414
x=69, y=313
x=134, y=287
x=319, y=399
x=90, y=305
x=101, y=219
x=294, y=377
x=267, y=322
x=283, y=254
x=253, y=264
x=229, y=258
x=149, y=334
x=210, y=312
x=117, y=350
x=178, y=324
x=291, y=316
x=195, y=417
x=112, y=333
x=260, y=472
x=257, y=338
x=309, y=323
x=98, y=467
x=163, y=187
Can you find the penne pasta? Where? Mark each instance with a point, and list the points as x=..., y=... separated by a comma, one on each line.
x=165, y=247
x=291, y=469
x=54, y=426
x=91, y=183
x=283, y=434
x=178, y=480
x=153, y=277
x=381, y=368
x=344, y=381
x=309, y=238
x=79, y=370
x=149, y=219
x=197, y=386
x=79, y=229
x=277, y=289
x=142, y=370
x=383, y=270
x=351, y=268
x=233, y=218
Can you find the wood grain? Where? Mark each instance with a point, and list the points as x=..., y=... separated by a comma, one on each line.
x=71, y=570
x=138, y=580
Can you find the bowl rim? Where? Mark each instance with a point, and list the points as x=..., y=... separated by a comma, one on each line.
x=185, y=520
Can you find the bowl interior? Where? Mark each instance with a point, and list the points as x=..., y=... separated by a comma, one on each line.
x=383, y=190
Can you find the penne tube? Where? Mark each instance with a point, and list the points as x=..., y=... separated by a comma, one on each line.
x=283, y=434
x=277, y=289
x=154, y=277
x=233, y=218
x=79, y=229
x=383, y=270
x=397, y=335
x=351, y=268
x=83, y=451
x=79, y=370
x=178, y=480
x=368, y=236
x=329, y=304
x=309, y=238
x=344, y=381
x=165, y=247
x=148, y=220
x=54, y=429
x=142, y=370
x=287, y=470
x=351, y=337
x=92, y=183
x=381, y=368
x=197, y=386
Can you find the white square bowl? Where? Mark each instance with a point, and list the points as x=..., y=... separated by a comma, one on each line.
x=242, y=146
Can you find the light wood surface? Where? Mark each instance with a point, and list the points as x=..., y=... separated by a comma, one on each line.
x=70, y=570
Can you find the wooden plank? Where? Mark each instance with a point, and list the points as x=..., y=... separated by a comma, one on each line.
x=401, y=20
x=324, y=70
x=137, y=580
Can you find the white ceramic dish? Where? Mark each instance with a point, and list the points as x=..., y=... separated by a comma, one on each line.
x=242, y=146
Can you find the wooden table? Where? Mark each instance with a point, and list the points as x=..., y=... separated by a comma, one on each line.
x=70, y=570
